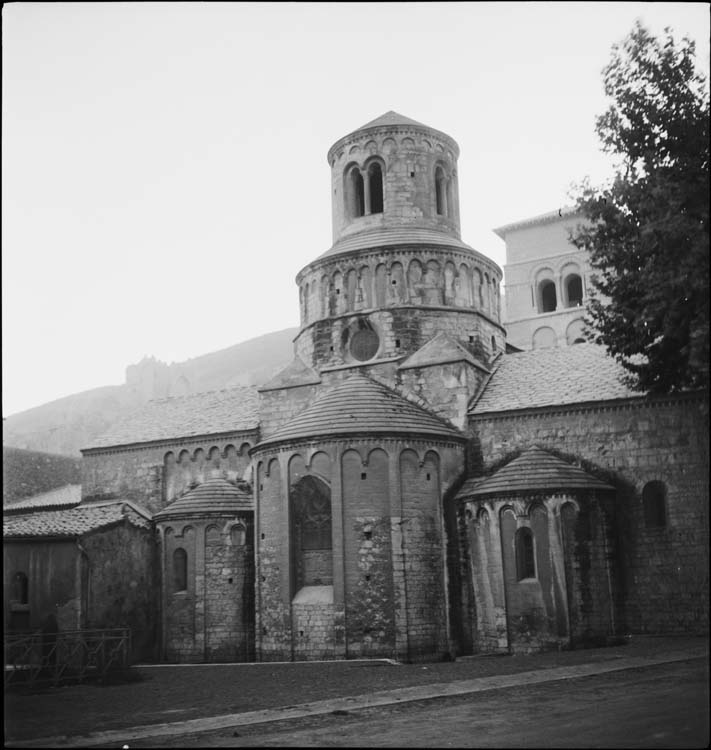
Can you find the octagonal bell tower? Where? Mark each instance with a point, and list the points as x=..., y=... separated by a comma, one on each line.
x=398, y=273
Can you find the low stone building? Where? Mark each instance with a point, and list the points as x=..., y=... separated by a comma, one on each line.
x=408, y=486
x=87, y=567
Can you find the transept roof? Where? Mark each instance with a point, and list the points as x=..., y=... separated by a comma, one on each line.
x=212, y=412
x=360, y=405
x=552, y=377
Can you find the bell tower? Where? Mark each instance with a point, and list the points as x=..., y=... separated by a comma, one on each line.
x=398, y=273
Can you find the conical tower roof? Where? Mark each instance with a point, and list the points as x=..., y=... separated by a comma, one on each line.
x=360, y=405
x=214, y=497
x=392, y=118
x=535, y=469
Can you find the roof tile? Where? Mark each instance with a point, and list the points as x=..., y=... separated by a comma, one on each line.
x=535, y=469
x=553, y=377
x=229, y=410
x=71, y=522
x=361, y=405
x=214, y=496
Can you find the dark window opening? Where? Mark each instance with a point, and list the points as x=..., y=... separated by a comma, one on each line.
x=574, y=290
x=548, y=297
x=180, y=569
x=355, y=193
x=397, y=343
x=440, y=192
x=20, y=588
x=493, y=344
x=579, y=341
x=375, y=185
x=368, y=535
x=525, y=562
x=654, y=501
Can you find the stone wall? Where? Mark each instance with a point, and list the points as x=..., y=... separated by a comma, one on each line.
x=388, y=547
x=630, y=443
x=123, y=585
x=211, y=617
x=401, y=331
x=154, y=474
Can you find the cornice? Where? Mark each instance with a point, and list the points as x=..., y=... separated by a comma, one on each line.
x=623, y=404
x=165, y=442
x=403, y=306
x=343, y=261
x=402, y=129
x=562, y=214
x=353, y=441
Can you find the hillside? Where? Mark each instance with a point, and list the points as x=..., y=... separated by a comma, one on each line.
x=27, y=473
x=67, y=425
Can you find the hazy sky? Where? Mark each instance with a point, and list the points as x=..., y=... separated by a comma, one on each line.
x=164, y=165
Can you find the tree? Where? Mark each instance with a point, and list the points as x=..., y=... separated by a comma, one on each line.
x=647, y=231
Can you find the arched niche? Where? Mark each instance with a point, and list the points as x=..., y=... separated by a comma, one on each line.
x=397, y=283
x=311, y=533
x=544, y=338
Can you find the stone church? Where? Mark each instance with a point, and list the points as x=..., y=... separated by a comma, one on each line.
x=412, y=485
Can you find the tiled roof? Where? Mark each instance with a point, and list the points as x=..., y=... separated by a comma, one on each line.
x=392, y=118
x=295, y=373
x=229, y=410
x=552, y=377
x=440, y=349
x=66, y=496
x=535, y=469
x=71, y=522
x=566, y=212
x=359, y=405
x=406, y=235
x=215, y=496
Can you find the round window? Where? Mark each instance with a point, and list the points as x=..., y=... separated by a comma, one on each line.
x=364, y=344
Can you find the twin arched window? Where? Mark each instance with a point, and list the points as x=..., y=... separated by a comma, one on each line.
x=364, y=194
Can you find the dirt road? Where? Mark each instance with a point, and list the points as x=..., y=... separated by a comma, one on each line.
x=664, y=706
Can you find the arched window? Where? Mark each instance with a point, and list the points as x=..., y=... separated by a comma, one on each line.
x=440, y=192
x=375, y=188
x=355, y=193
x=525, y=562
x=547, y=296
x=311, y=533
x=654, y=502
x=574, y=290
x=19, y=588
x=180, y=569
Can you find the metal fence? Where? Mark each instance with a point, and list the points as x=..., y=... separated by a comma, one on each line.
x=41, y=658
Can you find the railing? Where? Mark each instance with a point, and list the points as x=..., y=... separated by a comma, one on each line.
x=41, y=658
